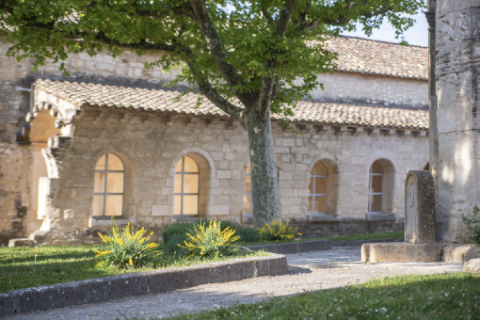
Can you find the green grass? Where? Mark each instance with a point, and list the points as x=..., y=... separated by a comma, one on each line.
x=24, y=267
x=351, y=237
x=439, y=297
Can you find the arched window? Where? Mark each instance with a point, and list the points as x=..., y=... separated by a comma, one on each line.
x=186, y=187
x=108, y=187
x=247, y=198
x=317, y=200
x=375, y=191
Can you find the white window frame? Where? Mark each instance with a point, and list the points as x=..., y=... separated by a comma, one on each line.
x=370, y=193
x=313, y=195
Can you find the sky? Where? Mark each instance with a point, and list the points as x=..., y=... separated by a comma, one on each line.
x=416, y=35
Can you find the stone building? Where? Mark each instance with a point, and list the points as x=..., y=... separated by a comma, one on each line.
x=109, y=140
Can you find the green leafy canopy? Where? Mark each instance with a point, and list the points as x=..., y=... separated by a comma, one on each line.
x=254, y=51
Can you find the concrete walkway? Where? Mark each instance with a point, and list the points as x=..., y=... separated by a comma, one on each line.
x=309, y=271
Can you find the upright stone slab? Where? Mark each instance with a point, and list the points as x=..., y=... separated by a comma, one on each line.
x=419, y=208
x=457, y=114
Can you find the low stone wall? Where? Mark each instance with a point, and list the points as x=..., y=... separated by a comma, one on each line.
x=345, y=227
x=134, y=284
x=294, y=247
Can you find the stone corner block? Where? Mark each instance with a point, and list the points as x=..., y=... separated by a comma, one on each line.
x=401, y=252
x=460, y=253
x=419, y=207
x=23, y=242
x=472, y=266
x=380, y=217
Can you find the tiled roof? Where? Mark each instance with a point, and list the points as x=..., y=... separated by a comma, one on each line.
x=161, y=100
x=378, y=57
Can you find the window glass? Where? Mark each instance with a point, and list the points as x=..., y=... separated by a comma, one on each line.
x=114, y=163
x=247, y=198
x=108, y=201
x=318, y=187
x=186, y=187
x=375, y=192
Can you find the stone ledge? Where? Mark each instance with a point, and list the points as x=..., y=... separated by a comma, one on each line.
x=23, y=242
x=134, y=284
x=460, y=253
x=321, y=218
x=401, y=252
x=92, y=222
x=380, y=217
x=359, y=243
x=294, y=247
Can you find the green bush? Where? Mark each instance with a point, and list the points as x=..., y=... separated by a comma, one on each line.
x=248, y=234
x=473, y=227
x=210, y=242
x=171, y=247
x=176, y=228
x=128, y=248
x=278, y=231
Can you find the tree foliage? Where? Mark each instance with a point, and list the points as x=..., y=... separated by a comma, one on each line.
x=249, y=50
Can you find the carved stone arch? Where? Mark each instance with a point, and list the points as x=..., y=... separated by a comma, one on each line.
x=207, y=177
x=332, y=182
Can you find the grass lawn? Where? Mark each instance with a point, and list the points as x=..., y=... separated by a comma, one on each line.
x=352, y=237
x=24, y=267
x=450, y=296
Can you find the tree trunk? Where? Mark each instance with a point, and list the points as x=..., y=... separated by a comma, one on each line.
x=265, y=197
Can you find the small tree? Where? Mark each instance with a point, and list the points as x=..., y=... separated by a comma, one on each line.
x=242, y=55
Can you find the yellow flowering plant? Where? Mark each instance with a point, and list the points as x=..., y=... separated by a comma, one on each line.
x=128, y=247
x=278, y=231
x=210, y=241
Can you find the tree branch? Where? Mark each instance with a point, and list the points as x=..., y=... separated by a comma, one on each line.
x=217, y=49
x=284, y=19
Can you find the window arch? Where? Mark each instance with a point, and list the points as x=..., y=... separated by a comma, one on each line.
x=247, y=198
x=317, y=200
x=375, y=191
x=186, y=191
x=109, y=185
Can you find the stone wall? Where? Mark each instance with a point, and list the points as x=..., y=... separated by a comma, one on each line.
x=458, y=119
x=151, y=149
x=372, y=89
x=150, y=146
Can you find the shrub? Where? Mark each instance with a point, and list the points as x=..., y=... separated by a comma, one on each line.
x=176, y=228
x=171, y=247
x=248, y=234
x=278, y=231
x=224, y=224
x=210, y=241
x=128, y=248
x=473, y=227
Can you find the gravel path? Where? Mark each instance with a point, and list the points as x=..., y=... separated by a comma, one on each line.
x=309, y=271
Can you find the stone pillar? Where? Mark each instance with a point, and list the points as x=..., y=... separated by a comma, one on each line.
x=419, y=208
x=458, y=120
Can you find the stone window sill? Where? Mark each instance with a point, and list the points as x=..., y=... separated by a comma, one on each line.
x=93, y=222
x=312, y=217
x=380, y=217
x=247, y=218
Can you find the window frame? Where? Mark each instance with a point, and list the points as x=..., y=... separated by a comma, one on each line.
x=370, y=193
x=182, y=194
x=105, y=193
x=313, y=195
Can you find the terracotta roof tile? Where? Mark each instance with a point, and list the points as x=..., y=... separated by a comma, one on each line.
x=378, y=57
x=164, y=101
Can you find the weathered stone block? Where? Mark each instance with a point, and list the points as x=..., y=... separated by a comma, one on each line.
x=419, y=208
x=24, y=242
x=472, y=266
x=401, y=252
